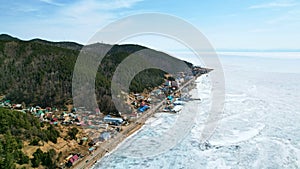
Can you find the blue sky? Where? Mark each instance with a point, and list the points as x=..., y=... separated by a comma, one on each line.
x=229, y=24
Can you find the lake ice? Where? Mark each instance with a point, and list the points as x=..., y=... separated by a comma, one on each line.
x=259, y=126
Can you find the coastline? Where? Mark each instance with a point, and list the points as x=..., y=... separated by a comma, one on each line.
x=230, y=147
x=112, y=144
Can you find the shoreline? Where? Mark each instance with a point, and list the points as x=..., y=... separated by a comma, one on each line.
x=112, y=144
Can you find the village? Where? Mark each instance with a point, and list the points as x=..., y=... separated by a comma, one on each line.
x=95, y=128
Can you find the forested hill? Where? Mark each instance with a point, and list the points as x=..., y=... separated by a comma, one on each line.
x=39, y=72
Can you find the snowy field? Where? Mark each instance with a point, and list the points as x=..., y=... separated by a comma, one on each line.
x=259, y=127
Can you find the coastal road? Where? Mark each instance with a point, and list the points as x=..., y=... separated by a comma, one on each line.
x=109, y=145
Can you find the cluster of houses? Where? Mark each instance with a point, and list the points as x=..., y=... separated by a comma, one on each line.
x=54, y=116
x=72, y=158
x=8, y=104
x=172, y=104
x=167, y=91
x=108, y=124
x=197, y=70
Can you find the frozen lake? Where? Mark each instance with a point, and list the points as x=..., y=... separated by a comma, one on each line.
x=259, y=126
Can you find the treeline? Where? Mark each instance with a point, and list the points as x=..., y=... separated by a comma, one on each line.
x=147, y=79
x=10, y=151
x=47, y=159
x=36, y=73
x=39, y=72
x=26, y=127
x=17, y=126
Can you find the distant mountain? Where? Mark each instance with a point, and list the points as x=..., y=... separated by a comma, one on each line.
x=5, y=37
x=39, y=72
x=68, y=45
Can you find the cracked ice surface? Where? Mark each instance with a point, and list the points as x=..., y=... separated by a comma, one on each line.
x=259, y=127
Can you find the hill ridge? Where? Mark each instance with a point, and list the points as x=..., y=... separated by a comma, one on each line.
x=39, y=72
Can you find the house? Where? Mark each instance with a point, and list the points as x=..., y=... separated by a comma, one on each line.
x=69, y=157
x=140, y=97
x=167, y=83
x=143, y=108
x=131, y=117
x=91, y=149
x=7, y=103
x=174, y=85
x=104, y=126
x=109, y=119
x=104, y=136
x=17, y=106
x=156, y=92
x=170, y=98
x=72, y=160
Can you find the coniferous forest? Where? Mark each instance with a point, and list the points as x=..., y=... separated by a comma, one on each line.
x=17, y=127
x=39, y=72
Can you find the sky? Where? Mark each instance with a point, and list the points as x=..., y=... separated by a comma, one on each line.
x=229, y=25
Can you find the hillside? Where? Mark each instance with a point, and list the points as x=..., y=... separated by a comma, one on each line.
x=39, y=72
x=17, y=127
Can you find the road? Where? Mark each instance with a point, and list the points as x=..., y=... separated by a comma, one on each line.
x=112, y=143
